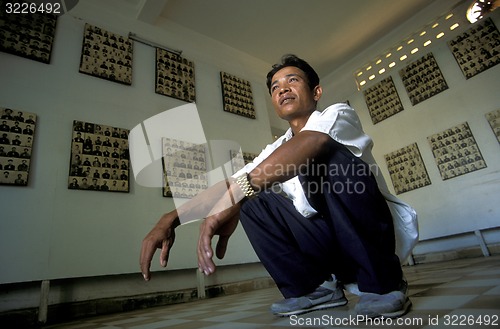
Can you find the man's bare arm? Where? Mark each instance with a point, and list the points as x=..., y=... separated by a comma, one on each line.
x=285, y=162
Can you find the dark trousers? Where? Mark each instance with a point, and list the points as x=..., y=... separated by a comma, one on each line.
x=352, y=236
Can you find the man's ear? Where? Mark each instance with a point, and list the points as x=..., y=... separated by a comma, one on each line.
x=317, y=92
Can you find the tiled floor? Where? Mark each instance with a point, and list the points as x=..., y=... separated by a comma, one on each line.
x=461, y=293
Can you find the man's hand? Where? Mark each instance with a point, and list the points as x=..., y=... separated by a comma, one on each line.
x=219, y=204
x=162, y=236
x=222, y=224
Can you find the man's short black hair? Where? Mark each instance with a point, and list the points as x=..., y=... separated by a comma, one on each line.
x=292, y=60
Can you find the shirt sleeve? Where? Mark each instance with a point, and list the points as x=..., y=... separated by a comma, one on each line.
x=341, y=122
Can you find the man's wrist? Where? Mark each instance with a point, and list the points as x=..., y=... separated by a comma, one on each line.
x=169, y=220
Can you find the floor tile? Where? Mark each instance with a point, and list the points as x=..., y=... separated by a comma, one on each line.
x=440, y=292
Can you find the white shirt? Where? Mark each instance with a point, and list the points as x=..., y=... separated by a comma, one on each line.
x=341, y=122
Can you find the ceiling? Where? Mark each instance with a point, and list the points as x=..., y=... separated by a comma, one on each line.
x=326, y=33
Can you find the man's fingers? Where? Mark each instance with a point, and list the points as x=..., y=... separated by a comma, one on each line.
x=205, y=255
x=147, y=253
x=165, y=250
x=205, y=252
x=149, y=245
x=145, y=271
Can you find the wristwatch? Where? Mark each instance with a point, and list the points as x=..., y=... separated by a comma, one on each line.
x=245, y=186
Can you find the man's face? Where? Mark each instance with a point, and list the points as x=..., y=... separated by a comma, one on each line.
x=290, y=93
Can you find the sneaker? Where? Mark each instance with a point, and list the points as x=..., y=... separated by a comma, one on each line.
x=327, y=295
x=391, y=305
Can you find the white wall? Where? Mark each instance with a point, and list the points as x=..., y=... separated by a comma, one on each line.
x=48, y=231
x=465, y=203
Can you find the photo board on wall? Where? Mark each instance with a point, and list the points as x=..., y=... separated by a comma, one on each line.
x=383, y=100
x=240, y=159
x=17, y=131
x=29, y=35
x=423, y=79
x=99, y=158
x=237, y=95
x=106, y=55
x=456, y=152
x=175, y=76
x=184, y=168
x=493, y=118
x=407, y=169
x=477, y=49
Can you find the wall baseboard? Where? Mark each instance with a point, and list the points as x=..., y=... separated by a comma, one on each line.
x=443, y=256
x=60, y=313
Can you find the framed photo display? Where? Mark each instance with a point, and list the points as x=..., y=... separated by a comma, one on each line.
x=28, y=35
x=184, y=168
x=17, y=130
x=407, y=169
x=237, y=95
x=383, y=100
x=240, y=159
x=477, y=49
x=493, y=118
x=106, y=55
x=423, y=79
x=174, y=76
x=456, y=152
x=99, y=158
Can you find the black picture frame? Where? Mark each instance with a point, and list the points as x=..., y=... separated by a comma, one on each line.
x=106, y=55
x=175, y=76
x=456, y=152
x=477, y=49
x=407, y=169
x=423, y=79
x=99, y=158
x=237, y=95
x=17, y=132
x=28, y=35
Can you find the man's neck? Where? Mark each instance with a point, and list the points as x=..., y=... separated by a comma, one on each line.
x=297, y=124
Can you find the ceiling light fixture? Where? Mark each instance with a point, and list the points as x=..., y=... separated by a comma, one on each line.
x=479, y=8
